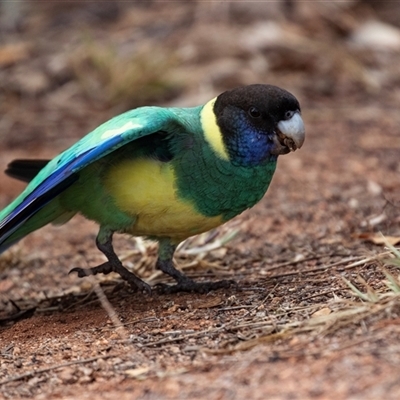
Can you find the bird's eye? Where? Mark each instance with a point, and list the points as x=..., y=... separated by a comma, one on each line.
x=254, y=113
x=289, y=114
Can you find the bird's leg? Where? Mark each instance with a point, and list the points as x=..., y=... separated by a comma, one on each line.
x=104, y=244
x=184, y=283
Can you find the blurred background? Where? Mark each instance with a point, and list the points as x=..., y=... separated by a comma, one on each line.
x=66, y=67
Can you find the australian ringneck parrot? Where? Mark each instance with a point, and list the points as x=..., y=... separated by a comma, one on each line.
x=162, y=173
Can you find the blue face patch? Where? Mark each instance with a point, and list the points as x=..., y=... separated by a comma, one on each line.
x=247, y=144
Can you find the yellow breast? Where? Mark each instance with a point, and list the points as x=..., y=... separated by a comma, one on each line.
x=146, y=189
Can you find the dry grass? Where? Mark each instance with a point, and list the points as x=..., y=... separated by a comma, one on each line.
x=138, y=77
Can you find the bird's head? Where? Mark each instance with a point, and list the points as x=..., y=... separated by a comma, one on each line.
x=252, y=125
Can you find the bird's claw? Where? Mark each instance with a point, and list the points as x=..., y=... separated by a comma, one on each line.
x=136, y=283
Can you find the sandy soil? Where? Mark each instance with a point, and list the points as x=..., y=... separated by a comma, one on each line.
x=294, y=327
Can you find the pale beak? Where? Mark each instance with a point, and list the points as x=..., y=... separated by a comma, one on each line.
x=291, y=132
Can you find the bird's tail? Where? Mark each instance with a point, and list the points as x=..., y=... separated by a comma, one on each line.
x=50, y=213
x=25, y=170
x=16, y=221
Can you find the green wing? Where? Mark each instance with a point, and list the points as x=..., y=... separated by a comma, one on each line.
x=61, y=172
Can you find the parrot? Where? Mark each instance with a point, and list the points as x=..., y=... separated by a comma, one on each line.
x=162, y=173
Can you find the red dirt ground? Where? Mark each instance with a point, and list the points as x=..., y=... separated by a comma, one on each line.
x=292, y=328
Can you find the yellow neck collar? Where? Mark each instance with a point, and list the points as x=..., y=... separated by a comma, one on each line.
x=211, y=130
